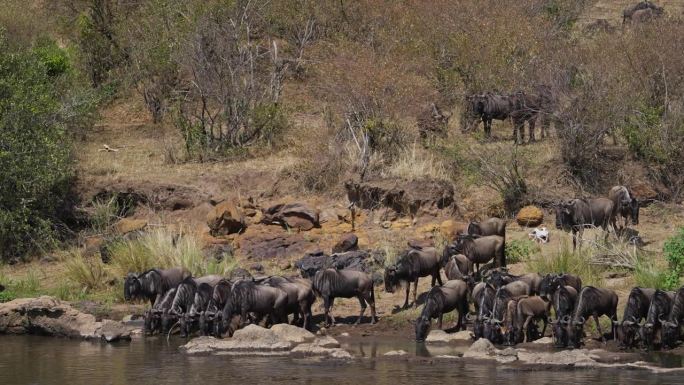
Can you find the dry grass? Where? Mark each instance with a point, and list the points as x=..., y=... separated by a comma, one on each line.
x=87, y=273
x=415, y=164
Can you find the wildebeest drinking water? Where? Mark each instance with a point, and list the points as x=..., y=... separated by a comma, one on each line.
x=333, y=283
x=483, y=299
x=638, y=302
x=153, y=317
x=248, y=297
x=453, y=295
x=671, y=325
x=592, y=302
x=153, y=284
x=521, y=312
x=300, y=297
x=563, y=301
x=219, y=296
x=410, y=266
x=492, y=329
x=184, y=300
x=660, y=307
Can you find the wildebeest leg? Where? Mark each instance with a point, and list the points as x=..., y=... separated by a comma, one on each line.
x=408, y=289
x=370, y=299
x=532, y=123
x=327, y=303
x=415, y=292
x=546, y=322
x=306, y=314
x=598, y=327
x=362, y=302
x=518, y=127
x=439, y=278
x=487, y=122
x=524, y=329
x=439, y=320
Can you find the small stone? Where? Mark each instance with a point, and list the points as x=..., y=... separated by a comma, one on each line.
x=543, y=340
x=396, y=353
x=345, y=334
x=326, y=342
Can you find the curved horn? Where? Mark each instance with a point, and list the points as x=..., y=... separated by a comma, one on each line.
x=469, y=317
x=551, y=321
x=580, y=320
x=660, y=318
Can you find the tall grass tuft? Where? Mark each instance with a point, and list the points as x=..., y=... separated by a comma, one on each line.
x=104, y=213
x=88, y=273
x=414, y=165
x=567, y=261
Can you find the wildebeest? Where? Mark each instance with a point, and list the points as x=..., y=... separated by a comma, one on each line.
x=453, y=295
x=660, y=307
x=500, y=278
x=219, y=296
x=432, y=121
x=248, y=297
x=491, y=226
x=592, y=302
x=154, y=314
x=482, y=250
x=486, y=107
x=410, y=266
x=184, y=300
x=492, y=329
x=671, y=325
x=201, y=299
x=638, y=303
x=300, y=297
x=576, y=214
x=641, y=11
x=333, y=283
x=459, y=266
x=563, y=301
x=551, y=282
x=153, y=284
x=625, y=206
x=483, y=298
x=521, y=311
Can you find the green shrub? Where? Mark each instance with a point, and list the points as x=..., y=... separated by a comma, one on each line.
x=674, y=255
x=648, y=275
x=519, y=250
x=55, y=59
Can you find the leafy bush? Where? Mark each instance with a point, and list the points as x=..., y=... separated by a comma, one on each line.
x=35, y=161
x=674, y=255
x=519, y=250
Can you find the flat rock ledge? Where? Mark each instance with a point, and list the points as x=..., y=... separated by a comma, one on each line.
x=440, y=336
x=51, y=317
x=483, y=349
x=280, y=340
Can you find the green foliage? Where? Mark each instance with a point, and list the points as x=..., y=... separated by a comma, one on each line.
x=7, y=295
x=641, y=133
x=674, y=255
x=55, y=59
x=268, y=119
x=567, y=261
x=646, y=274
x=35, y=161
x=519, y=250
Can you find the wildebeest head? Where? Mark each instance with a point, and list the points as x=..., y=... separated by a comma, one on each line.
x=422, y=328
x=186, y=322
x=648, y=333
x=670, y=333
x=492, y=331
x=132, y=286
x=474, y=228
x=634, y=210
x=391, y=279
x=472, y=111
x=499, y=278
x=545, y=286
x=449, y=251
x=628, y=333
x=575, y=330
x=563, y=215
x=168, y=319
x=559, y=330
x=206, y=322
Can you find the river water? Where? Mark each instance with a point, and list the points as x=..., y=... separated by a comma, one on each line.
x=46, y=360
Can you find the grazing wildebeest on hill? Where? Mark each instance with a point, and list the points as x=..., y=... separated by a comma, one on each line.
x=577, y=214
x=592, y=302
x=410, y=266
x=671, y=325
x=486, y=107
x=660, y=307
x=481, y=250
x=153, y=284
x=563, y=301
x=625, y=206
x=641, y=11
x=333, y=283
x=638, y=302
x=432, y=121
x=248, y=297
x=453, y=295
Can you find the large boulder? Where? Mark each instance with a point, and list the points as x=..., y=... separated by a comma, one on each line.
x=348, y=242
x=265, y=242
x=299, y=216
x=50, y=316
x=226, y=218
x=293, y=334
x=250, y=340
x=481, y=349
x=325, y=346
x=402, y=197
x=530, y=216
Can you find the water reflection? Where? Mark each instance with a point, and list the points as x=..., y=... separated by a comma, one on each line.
x=42, y=360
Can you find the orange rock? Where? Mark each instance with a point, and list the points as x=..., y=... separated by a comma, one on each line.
x=226, y=218
x=530, y=216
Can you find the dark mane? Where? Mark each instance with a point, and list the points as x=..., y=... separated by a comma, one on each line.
x=433, y=301
x=588, y=295
x=636, y=304
x=677, y=312
x=660, y=304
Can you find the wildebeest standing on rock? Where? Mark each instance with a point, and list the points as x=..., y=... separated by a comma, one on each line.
x=410, y=266
x=219, y=296
x=483, y=249
x=492, y=329
x=248, y=297
x=563, y=301
x=577, y=214
x=638, y=302
x=660, y=307
x=592, y=302
x=453, y=295
x=333, y=283
x=153, y=284
x=154, y=315
x=671, y=326
x=483, y=298
x=625, y=205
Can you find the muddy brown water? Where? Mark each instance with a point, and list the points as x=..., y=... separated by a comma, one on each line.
x=45, y=360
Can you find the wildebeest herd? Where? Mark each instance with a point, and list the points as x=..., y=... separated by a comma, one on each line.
x=507, y=308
